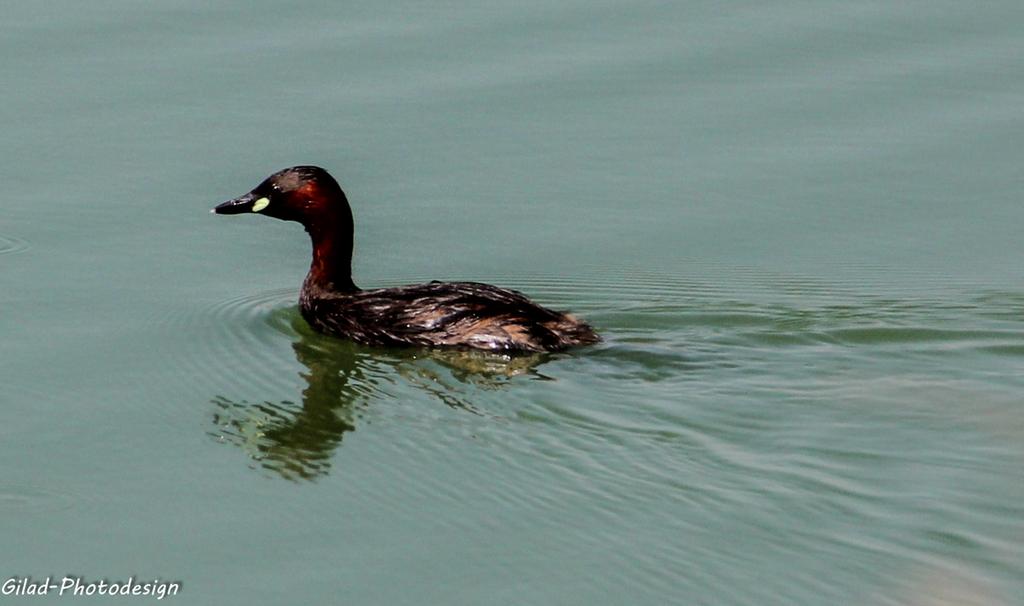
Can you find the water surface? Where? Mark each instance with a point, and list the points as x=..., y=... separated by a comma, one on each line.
x=796, y=225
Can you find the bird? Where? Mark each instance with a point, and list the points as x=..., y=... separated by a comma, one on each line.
x=469, y=315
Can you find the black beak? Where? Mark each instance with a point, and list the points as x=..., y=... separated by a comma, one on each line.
x=241, y=204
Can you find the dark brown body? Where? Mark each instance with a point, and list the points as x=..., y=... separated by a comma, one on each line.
x=444, y=314
x=438, y=314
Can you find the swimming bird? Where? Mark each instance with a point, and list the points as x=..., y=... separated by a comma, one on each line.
x=436, y=314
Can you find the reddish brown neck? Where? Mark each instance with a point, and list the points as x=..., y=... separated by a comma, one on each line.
x=331, y=270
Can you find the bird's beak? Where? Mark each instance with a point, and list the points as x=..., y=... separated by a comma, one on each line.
x=248, y=203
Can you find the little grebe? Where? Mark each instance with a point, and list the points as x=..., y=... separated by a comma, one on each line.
x=438, y=314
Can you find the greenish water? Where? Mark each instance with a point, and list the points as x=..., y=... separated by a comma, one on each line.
x=797, y=226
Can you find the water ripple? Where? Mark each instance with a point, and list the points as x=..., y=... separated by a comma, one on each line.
x=288, y=397
x=242, y=342
x=23, y=500
x=10, y=245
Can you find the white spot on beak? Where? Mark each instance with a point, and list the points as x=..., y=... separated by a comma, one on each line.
x=260, y=204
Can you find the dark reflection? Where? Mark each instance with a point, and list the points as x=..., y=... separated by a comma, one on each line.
x=297, y=439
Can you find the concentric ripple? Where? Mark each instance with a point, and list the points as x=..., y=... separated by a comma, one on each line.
x=23, y=500
x=287, y=396
x=10, y=245
x=240, y=342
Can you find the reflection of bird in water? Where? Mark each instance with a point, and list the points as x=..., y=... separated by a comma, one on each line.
x=297, y=440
